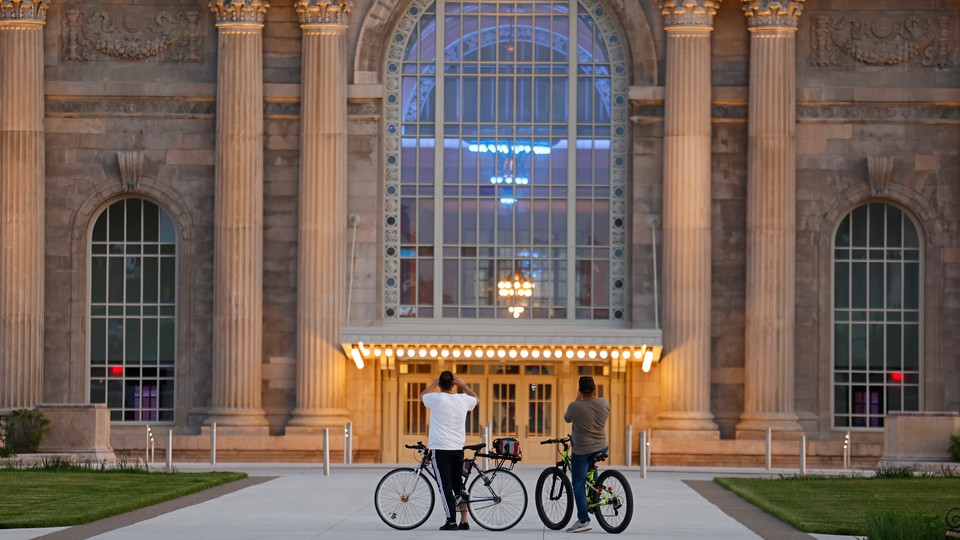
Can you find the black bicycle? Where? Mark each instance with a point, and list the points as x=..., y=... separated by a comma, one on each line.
x=496, y=498
x=609, y=496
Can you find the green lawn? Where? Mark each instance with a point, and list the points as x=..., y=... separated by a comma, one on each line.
x=41, y=498
x=841, y=505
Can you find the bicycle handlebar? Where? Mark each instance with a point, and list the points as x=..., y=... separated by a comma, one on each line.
x=555, y=441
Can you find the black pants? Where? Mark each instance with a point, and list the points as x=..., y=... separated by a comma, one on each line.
x=448, y=466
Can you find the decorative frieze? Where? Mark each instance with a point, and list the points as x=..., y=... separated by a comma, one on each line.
x=104, y=35
x=924, y=114
x=893, y=39
x=689, y=13
x=126, y=107
x=239, y=11
x=324, y=11
x=24, y=10
x=772, y=13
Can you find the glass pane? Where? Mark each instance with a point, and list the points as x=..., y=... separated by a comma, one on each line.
x=167, y=341
x=841, y=346
x=858, y=345
x=876, y=348
x=167, y=280
x=911, y=347
x=858, y=285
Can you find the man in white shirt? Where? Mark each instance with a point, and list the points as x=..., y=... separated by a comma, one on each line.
x=448, y=413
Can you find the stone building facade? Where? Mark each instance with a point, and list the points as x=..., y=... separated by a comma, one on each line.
x=208, y=210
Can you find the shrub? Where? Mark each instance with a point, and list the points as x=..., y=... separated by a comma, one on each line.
x=892, y=471
x=954, y=447
x=22, y=430
x=901, y=526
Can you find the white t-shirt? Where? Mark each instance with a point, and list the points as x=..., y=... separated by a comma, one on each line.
x=448, y=413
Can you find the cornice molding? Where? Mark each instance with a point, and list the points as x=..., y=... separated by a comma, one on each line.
x=772, y=13
x=324, y=12
x=24, y=10
x=252, y=12
x=688, y=13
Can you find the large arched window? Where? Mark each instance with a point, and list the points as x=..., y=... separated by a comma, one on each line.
x=876, y=316
x=510, y=167
x=133, y=308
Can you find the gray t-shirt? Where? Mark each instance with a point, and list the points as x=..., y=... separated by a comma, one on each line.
x=589, y=429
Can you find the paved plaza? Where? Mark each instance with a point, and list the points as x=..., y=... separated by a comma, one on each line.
x=297, y=501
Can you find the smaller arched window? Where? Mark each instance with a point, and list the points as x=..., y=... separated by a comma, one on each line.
x=133, y=308
x=877, y=323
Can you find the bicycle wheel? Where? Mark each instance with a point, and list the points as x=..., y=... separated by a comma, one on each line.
x=616, y=502
x=554, y=498
x=404, y=499
x=499, y=504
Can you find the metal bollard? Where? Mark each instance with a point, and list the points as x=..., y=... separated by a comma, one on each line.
x=348, y=443
x=326, y=451
x=213, y=443
x=769, y=461
x=146, y=458
x=649, y=448
x=170, y=451
x=846, y=451
x=643, y=455
x=628, y=446
x=153, y=450
x=803, y=455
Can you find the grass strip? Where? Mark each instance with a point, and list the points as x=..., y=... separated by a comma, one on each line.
x=841, y=505
x=41, y=498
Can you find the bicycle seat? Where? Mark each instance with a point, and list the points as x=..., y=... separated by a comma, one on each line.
x=599, y=455
x=474, y=447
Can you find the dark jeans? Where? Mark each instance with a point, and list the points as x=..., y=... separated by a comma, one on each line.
x=579, y=467
x=448, y=466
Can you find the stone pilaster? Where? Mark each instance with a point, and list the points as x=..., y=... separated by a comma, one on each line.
x=771, y=220
x=21, y=203
x=238, y=217
x=321, y=282
x=685, y=367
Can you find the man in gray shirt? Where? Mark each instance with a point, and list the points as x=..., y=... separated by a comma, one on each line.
x=588, y=418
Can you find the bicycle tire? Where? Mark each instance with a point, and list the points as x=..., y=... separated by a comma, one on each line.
x=404, y=499
x=507, y=510
x=615, y=515
x=554, y=498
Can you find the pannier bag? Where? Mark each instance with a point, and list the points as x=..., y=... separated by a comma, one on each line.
x=507, y=446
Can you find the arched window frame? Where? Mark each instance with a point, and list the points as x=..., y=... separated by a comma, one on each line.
x=395, y=111
x=863, y=390
x=119, y=373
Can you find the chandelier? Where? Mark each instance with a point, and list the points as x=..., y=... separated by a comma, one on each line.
x=515, y=289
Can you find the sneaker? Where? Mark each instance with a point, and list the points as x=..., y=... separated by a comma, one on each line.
x=464, y=526
x=449, y=527
x=580, y=526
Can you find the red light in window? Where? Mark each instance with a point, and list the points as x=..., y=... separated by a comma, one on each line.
x=116, y=370
x=896, y=376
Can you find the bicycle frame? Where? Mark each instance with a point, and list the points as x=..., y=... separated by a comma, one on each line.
x=487, y=476
x=595, y=496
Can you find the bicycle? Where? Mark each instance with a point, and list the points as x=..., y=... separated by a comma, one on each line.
x=609, y=496
x=496, y=498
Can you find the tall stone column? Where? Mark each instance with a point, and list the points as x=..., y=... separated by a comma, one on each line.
x=321, y=282
x=685, y=367
x=21, y=203
x=238, y=217
x=771, y=219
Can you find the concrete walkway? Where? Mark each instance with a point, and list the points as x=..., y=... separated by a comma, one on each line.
x=296, y=501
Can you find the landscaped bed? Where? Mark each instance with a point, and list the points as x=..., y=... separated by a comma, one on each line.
x=905, y=507
x=55, y=498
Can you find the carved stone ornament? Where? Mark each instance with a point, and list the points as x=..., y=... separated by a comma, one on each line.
x=879, y=171
x=240, y=11
x=908, y=39
x=771, y=13
x=24, y=10
x=132, y=35
x=131, y=168
x=323, y=11
x=698, y=13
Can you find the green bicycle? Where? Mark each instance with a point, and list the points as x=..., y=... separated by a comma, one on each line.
x=609, y=496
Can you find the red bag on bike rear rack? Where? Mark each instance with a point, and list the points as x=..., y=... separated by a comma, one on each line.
x=507, y=446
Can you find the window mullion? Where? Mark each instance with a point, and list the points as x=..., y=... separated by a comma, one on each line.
x=439, y=145
x=572, y=163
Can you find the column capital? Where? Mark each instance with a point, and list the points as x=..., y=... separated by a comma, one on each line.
x=772, y=13
x=688, y=13
x=323, y=12
x=242, y=12
x=24, y=10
